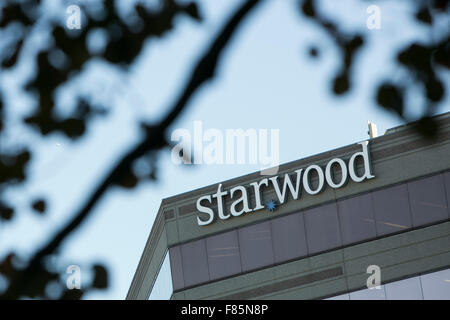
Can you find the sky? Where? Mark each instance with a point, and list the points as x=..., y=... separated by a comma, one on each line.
x=266, y=80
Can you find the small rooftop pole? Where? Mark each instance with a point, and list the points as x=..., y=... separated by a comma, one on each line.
x=373, y=132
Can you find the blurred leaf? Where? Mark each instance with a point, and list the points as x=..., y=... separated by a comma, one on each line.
x=14, y=12
x=68, y=53
x=1, y=113
x=39, y=206
x=6, y=212
x=390, y=97
x=12, y=166
x=73, y=294
x=417, y=57
x=73, y=127
x=314, y=52
x=424, y=15
x=442, y=54
x=7, y=265
x=193, y=12
x=308, y=8
x=100, y=277
x=435, y=90
x=341, y=83
x=352, y=46
x=129, y=181
x=348, y=45
x=11, y=61
x=441, y=5
x=36, y=287
x=428, y=127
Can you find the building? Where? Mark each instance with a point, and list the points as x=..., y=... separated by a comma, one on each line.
x=374, y=210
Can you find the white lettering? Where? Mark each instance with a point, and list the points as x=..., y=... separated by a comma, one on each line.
x=329, y=174
x=204, y=209
x=287, y=183
x=74, y=19
x=367, y=169
x=256, y=186
x=218, y=195
x=243, y=199
x=281, y=192
x=374, y=20
x=306, y=179
x=183, y=146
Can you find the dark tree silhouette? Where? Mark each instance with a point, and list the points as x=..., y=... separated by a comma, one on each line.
x=421, y=61
x=123, y=49
x=67, y=55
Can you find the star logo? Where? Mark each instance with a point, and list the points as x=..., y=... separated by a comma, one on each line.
x=271, y=205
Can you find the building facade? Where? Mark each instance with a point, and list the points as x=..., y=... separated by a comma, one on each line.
x=374, y=213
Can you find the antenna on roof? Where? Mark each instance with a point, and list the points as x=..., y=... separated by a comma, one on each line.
x=373, y=132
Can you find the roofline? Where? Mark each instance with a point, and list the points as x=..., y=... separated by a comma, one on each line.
x=389, y=134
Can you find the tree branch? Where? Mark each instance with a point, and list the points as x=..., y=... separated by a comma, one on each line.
x=154, y=140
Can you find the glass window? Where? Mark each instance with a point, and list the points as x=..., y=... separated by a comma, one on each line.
x=391, y=209
x=432, y=286
x=223, y=255
x=322, y=228
x=436, y=285
x=176, y=267
x=369, y=294
x=289, y=239
x=356, y=217
x=447, y=188
x=345, y=296
x=428, y=200
x=408, y=289
x=195, y=265
x=256, y=246
x=162, y=288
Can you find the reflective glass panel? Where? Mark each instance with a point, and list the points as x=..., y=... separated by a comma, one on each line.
x=162, y=288
x=356, y=218
x=369, y=294
x=256, y=246
x=391, y=210
x=408, y=289
x=223, y=255
x=195, y=265
x=436, y=285
x=322, y=228
x=428, y=200
x=289, y=239
x=176, y=267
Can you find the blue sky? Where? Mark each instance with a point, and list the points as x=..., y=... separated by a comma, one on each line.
x=266, y=81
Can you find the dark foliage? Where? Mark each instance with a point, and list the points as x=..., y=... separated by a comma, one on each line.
x=420, y=61
x=125, y=43
x=67, y=55
x=71, y=48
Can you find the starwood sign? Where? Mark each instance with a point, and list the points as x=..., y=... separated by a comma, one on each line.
x=328, y=176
